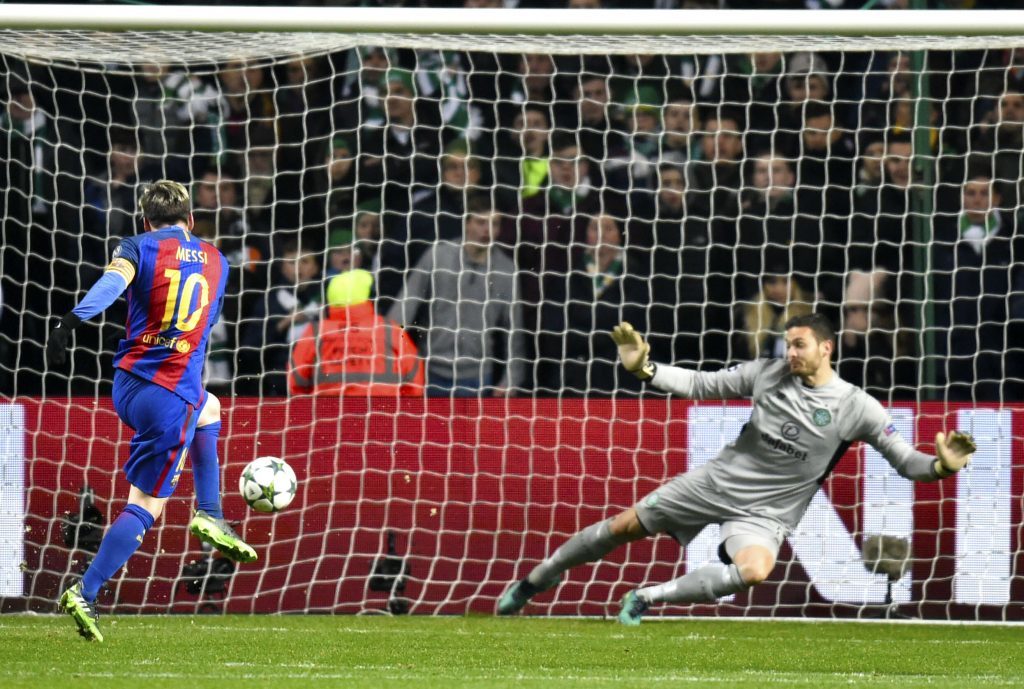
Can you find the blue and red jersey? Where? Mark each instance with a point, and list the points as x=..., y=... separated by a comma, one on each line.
x=173, y=302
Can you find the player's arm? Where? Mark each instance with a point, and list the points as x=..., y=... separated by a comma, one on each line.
x=111, y=285
x=952, y=452
x=635, y=353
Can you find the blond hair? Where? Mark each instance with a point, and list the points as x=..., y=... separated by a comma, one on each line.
x=761, y=321
x=165, y=203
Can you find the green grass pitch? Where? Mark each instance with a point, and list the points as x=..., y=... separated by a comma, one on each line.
x=484, y=652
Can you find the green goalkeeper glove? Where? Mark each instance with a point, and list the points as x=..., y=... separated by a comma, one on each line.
x=953, y=453
x=634, y=352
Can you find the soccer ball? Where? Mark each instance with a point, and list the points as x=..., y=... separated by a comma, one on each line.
x=268, y=484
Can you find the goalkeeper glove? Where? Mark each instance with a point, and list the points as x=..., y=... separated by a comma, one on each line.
x=953, y=453
x=57, y=345
x=634, y=352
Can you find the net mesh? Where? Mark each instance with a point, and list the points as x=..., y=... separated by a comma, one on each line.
x=705, y=190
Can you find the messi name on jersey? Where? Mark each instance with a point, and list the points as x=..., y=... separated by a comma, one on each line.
x=190, y=255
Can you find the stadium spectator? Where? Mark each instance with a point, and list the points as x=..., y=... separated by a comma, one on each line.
x=826, y=167
x=869, y=170
x=303, y=124
x=543, y=235
x=1001, y=137
x=444, y=77
x=110, y=199
x=975, y=256
x=28, y=255
x=521, y=166
x=258, y=170
x=398, y=162
x=714, y=178
x=367, y=237
x=342, y=179
x=279, y=316
x=643, y=123
x=439, y=213
x=360, y=99
x=536, y=83
x=217, y=202
x=248, y=105
x=760, y=322
x=671, y=248
x=871, y=352
x=600, y=134
x=807, y=81
x=881, y=225
x=464, y=295
x=758, y=87
x=351, y=351
x=342, y=256
x=677, y=131
x=602, y=288
x=768, y=222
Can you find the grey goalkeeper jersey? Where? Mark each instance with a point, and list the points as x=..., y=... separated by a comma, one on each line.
x=795, y=436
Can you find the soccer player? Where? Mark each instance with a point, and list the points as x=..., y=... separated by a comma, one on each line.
x=175, y=284
x=804, y=419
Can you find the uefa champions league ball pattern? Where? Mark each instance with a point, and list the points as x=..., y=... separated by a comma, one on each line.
x=268, y=484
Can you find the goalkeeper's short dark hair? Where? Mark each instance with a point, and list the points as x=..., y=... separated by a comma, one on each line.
x=819, y=324
x=165, y=203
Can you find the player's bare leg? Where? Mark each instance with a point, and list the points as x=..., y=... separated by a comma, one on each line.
x=213, y=528
x=589, y=545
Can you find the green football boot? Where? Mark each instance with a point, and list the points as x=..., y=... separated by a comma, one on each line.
x=633, y=609
x=519, y=594
x=82, y=612
x=219, y=534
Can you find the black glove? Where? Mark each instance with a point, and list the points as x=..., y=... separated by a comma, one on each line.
x=57, y=345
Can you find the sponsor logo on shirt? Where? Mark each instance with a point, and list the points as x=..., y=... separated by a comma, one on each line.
x=174, y=343
x=782, y=446
x=790, y=431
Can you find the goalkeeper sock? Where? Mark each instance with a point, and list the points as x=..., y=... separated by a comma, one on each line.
x=122, y=539
x=703, y=584
x=206, y=469
x=591, y=544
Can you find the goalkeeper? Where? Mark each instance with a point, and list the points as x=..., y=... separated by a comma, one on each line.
x=804, y=419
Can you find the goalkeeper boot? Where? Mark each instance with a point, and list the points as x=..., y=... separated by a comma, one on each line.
x=82, y=612
x=219, y=534
x=519, y=594
x=633, y=609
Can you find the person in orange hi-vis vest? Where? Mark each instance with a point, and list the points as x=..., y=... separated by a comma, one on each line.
x=352, y=351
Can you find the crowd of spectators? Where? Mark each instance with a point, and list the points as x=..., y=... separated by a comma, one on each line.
x=511, y=208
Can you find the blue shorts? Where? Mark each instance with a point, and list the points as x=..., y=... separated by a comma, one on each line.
x=164, y=425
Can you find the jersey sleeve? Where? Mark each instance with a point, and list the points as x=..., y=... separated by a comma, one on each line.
x=730, y=383
x=118, y=274
x=875, y=427
x=127, y=250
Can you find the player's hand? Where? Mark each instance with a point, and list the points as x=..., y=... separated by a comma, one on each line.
x=57, y=345
x=633, y=351
x=953, y=453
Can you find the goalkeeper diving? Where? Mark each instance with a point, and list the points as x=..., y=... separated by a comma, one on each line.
x=803, y=421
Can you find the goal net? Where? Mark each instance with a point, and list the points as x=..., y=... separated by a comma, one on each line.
x=515, y=191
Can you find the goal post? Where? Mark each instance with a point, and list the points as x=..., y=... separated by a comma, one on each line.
x=703, y=174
